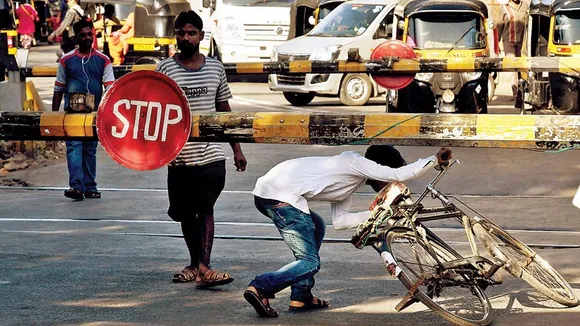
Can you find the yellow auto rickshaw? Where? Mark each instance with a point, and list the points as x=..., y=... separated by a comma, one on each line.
x=154, y=36
x=553, y=30
x=444, y=29
x=302, y=17
x=147, y=30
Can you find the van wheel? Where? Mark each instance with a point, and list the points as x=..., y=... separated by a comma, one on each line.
x=299, y=99
x=355, y=89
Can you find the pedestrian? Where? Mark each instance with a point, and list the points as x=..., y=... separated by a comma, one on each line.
x=65, y=30
x=82, y=72
x=283, y=194
x=27, y=15
x=511, y=28
x=197, y=176
x=103, y=28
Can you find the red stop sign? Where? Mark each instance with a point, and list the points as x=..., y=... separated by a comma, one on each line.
x=393, y=48
x=144, y=121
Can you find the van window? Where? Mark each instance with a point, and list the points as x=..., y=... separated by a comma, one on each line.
x=385, y=28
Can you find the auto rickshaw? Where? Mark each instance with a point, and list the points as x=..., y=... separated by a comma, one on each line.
x=439, y=29
x=302, y=17
x=148, y=28
x=553, y=30
x=154, y=36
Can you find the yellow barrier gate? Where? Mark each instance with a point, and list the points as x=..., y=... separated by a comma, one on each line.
x=459, y=130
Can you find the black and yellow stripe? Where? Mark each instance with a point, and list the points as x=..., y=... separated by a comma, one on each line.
x=399, y=66
x=458, y=130
x=50, y=70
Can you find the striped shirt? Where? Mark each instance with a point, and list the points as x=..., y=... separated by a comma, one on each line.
x=514, y=20
x=204, y=88
x=72, y=16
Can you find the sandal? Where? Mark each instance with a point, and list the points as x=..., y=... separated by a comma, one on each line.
x=74, y=193
x=188, y=274
x=257, y=301
x=213, y=278
x=92, y=194
x=317, y=304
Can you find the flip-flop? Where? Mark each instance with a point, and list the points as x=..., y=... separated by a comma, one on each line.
x=255, y=299
x=320, y=304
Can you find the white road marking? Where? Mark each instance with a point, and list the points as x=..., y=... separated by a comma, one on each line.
x=247, y=192
x=238, y=224
x=269, y=238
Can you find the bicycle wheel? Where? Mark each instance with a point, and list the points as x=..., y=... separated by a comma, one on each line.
x=446, y=292
x=521, y=261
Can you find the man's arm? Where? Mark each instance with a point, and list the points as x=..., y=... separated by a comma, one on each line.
x=343, y=219
x=59, y=86
x=66, y=22
x=108, y=75
x=56, y=99
x=373, y=171
x=239, y=158
x=222, y=105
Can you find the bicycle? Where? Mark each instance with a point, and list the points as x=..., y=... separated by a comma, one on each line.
x=436, y=274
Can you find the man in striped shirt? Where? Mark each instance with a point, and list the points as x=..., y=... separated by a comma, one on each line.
x=197, y=176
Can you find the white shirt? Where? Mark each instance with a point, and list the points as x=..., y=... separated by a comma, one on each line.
x=333, y=179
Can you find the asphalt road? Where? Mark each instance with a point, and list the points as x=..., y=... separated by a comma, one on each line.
x=110, y=261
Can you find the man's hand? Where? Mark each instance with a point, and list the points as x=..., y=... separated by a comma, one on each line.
x=51, y=37
x=443, y=156
x=240, y=162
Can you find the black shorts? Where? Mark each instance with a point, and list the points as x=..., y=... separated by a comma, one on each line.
x=193, y=190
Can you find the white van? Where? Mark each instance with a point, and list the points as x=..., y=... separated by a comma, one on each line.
x=243, y=30
x=362, y=24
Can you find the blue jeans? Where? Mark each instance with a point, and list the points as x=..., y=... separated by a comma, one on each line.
x=82, y=164
x=303, y=233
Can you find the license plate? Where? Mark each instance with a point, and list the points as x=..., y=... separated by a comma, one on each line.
x=144, y=47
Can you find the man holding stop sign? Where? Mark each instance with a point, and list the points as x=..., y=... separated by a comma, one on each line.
x=197, y=176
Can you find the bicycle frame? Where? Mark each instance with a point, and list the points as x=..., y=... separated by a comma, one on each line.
x=413, y=215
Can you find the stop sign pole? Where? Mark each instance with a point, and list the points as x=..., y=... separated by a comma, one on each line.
x=144, y=121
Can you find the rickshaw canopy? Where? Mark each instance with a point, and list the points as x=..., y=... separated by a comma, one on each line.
x=565, y=5
x=424, y=6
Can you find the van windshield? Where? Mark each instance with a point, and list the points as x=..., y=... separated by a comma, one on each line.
x=567, y=28
x=259, y=3
x=347, y=20
x=446, y=31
